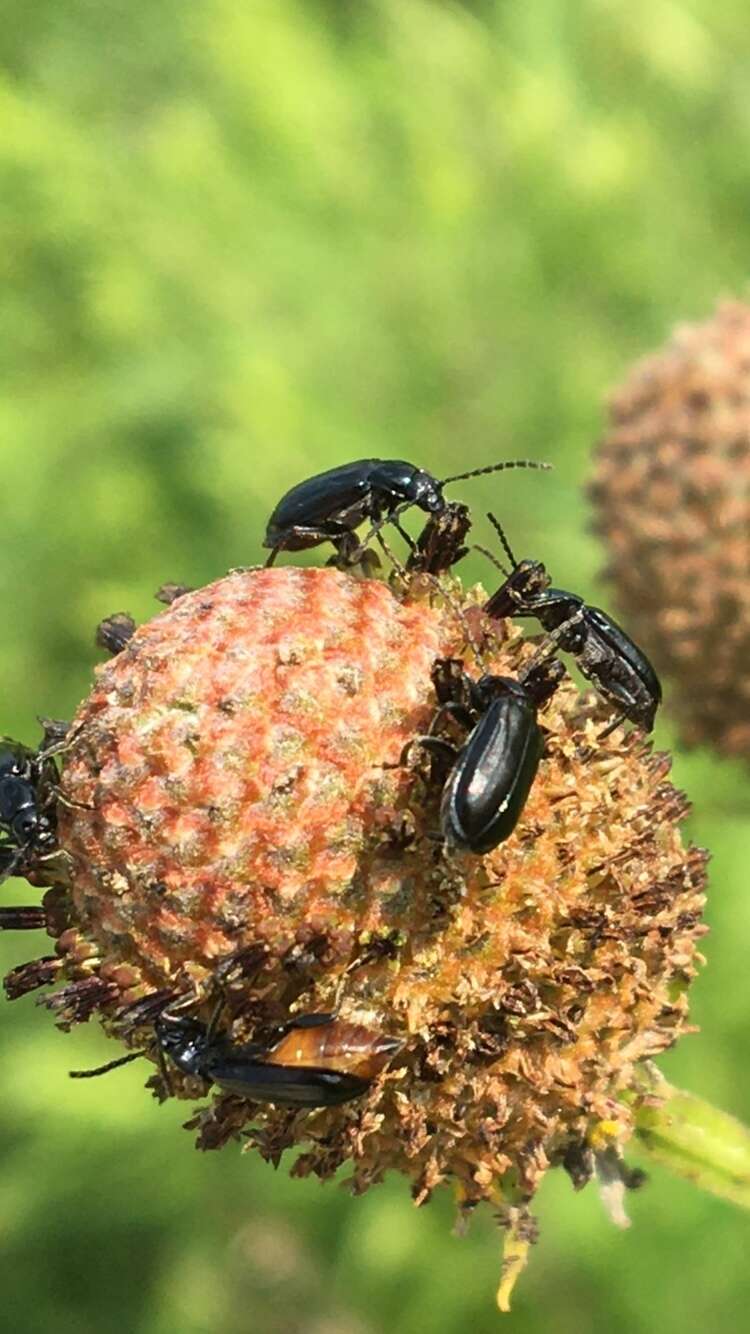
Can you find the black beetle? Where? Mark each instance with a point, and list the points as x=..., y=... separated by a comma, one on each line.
x=490, y=780
x=331, y=505
x=317, y=1060
x=605, y=654
x=28, y=779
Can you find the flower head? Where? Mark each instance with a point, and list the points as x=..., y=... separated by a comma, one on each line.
x=250, y=822
x=671, y=496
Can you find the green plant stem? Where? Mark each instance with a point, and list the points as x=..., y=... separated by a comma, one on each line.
x=693, y=1139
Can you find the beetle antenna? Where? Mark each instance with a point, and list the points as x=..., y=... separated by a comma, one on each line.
x=497, y=467
x=104, y=1069
x=506, y=545
x=485, y=552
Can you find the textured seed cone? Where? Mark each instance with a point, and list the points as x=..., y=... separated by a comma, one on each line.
x=672, y=500
x=229, y=789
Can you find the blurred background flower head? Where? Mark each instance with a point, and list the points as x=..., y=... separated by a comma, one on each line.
x=241, y=244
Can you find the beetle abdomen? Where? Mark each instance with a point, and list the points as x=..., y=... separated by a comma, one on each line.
x=319, y=499
x=491, y=779
x=621, y=643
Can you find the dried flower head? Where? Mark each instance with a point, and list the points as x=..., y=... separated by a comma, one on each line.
x=244, y=817
x=672, y=500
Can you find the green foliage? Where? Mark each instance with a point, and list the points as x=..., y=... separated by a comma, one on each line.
x=241, y=243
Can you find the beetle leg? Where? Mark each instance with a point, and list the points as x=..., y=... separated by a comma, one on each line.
x=443, y=756
x=350, y=551
x=57, y=739
x=453, y=709
x=602, y=667
x=73, y=805
x=395, y=562
x=163, y=1072
x=213, y=1022
x=430, y=743
x=548, y=648
x=56, y=736
x=381, y=520
x=407, y=538
x=316, y=536
x=62, y=865
x=611, y=727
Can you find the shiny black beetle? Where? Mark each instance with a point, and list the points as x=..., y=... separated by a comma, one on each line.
x=28, y=781
x=490, y=780
x=317, y=1060
x=605, y=654
x=331, y=505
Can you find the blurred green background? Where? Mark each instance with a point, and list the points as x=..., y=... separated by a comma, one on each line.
x=243, y=242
